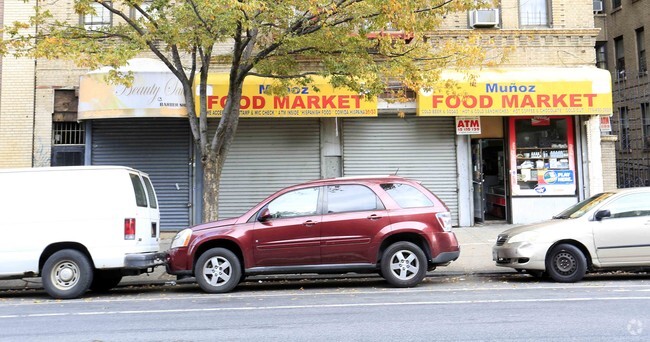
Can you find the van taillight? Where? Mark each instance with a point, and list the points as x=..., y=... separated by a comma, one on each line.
x=129, y=229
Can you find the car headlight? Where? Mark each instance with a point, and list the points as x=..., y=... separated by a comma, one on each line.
x=523, y=237
x=182, y=239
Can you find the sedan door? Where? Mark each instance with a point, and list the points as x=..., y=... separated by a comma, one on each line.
x=623, y=238
x=353, y=217
x=292, y=235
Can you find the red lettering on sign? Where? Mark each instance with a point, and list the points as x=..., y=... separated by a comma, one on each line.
x=486, y=101
x=344, y=102
x=312, y=102
x=510, y=101
x=559, y=99
x=298, y=103
x=575, y=100
x=543, y=101
x=590, y=99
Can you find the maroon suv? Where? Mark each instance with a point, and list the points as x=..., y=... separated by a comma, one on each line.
x=389, y=225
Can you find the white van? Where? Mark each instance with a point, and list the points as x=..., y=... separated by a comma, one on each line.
x=77, y=227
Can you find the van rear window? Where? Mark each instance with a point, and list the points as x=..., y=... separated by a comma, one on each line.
x=152, y=194
x=138, y=189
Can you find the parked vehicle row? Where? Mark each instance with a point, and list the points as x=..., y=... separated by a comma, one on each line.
x=107, y=226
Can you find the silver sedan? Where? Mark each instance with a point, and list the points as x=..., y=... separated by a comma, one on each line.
x=609, y=231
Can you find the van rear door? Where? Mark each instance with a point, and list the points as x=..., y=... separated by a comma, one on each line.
x=147, y=220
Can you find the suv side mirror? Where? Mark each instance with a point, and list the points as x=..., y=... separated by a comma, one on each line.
x=600, y=214
x=264, y=215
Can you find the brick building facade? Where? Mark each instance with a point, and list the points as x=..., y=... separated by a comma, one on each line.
x=532, y=34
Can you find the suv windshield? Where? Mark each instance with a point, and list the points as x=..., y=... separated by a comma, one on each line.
x=581, y=208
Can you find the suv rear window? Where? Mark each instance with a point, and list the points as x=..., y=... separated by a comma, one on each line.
x=138, y=189
x=406, y=195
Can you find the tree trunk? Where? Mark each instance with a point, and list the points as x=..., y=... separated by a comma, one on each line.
x=212, y=167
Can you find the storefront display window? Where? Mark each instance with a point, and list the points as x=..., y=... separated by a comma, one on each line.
x=541, y=156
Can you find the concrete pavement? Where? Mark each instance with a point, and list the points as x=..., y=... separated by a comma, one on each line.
x=475, y=257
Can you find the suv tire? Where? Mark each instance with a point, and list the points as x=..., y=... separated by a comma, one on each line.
x=67, y=274
x=403, y=264
x=218, y=270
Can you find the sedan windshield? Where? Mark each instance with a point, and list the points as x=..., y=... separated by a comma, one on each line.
x=581, y=208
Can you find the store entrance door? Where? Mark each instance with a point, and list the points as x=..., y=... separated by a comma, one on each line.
x=477, y=181
x=489, y=180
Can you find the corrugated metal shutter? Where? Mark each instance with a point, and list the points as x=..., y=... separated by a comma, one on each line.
x=266, y=156
x=421, y=148
x=159, y=147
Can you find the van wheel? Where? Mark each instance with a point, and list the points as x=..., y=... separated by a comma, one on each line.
x=218, y=270
x=104, y=280
x=566, y=264
x=403, y=264
x=67, y=274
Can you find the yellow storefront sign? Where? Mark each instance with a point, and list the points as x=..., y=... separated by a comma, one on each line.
x=529, y=91
x=301, y=101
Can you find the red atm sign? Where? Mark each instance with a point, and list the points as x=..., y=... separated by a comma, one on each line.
x=468, y=125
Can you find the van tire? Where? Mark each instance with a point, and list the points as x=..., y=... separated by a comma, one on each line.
x=104, y=280
x=67, y=274
x=218, y=270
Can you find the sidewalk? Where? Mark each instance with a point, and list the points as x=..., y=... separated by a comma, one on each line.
x=475, y=257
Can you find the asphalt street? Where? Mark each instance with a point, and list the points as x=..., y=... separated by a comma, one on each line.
x=488, y=307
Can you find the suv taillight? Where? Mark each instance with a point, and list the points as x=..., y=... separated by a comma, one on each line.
x=129, y=229
x=444, y=218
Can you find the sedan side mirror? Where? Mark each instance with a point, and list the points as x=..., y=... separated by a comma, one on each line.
x=264, y=215
x=600, y=214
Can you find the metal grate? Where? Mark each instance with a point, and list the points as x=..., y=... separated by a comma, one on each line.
x=632, y=126
x=68, y=133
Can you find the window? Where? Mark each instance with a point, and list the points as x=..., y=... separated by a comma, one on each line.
x=616, y=4
x=302, y=202
x=619, y=52
x=542, y=156
x=601, y=55
x=100, y=18
x=347, y=198
x=632, y=205
x=624, y=129
x=150, y=193
x=640, y=51
x=645, y=117
x=407, y=196
x=533, y=13
x=138, y=189
x=135, y=14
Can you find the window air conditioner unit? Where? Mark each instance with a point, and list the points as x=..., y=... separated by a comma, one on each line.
x=598, y=5
x=484, y=18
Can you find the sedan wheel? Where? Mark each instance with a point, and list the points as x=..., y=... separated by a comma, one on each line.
x=403, y=264
x=566, y=264
x=218, y=270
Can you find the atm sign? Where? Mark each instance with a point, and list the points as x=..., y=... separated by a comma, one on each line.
x=468, y=125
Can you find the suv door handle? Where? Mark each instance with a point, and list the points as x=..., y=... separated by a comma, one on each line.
x=309, y=223
x=374, y=217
